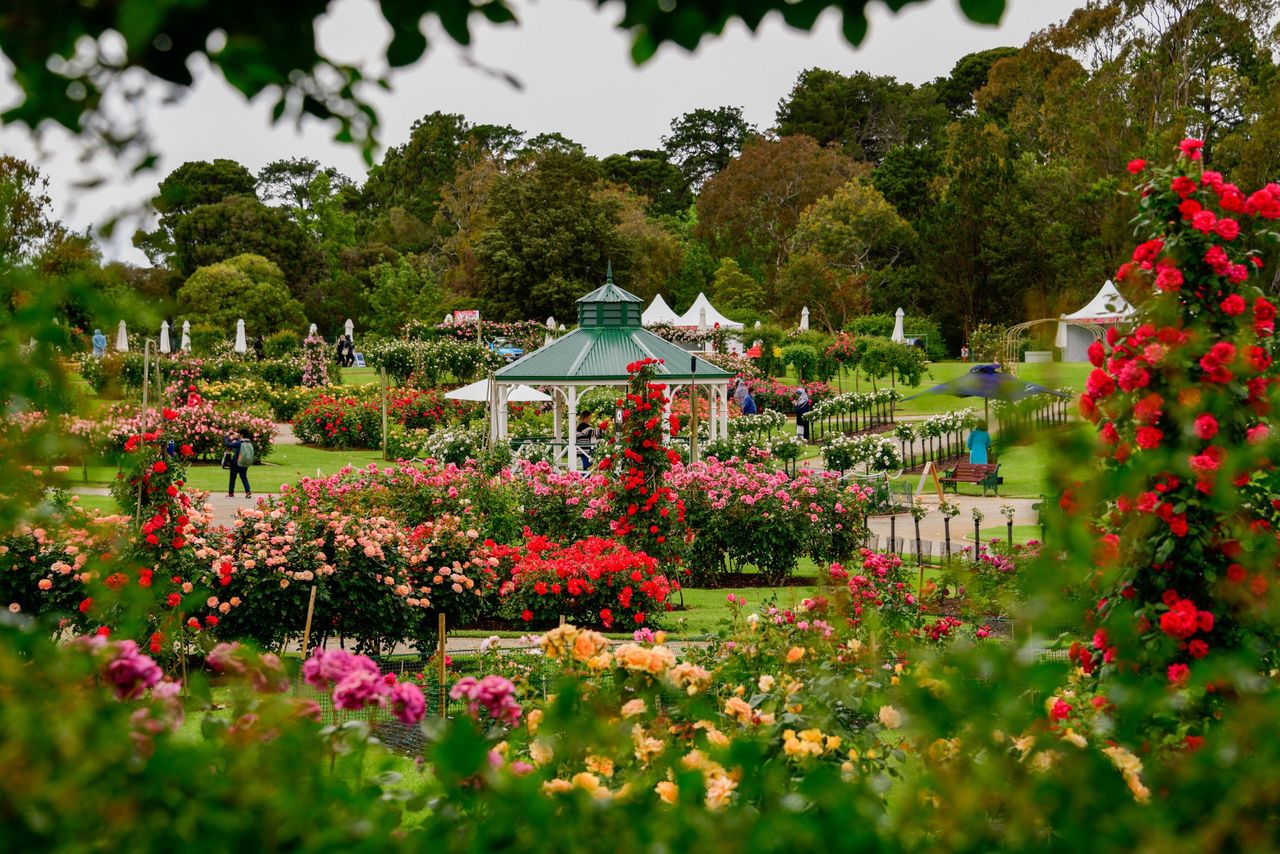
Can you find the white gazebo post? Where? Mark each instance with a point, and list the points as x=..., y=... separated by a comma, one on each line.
x=571, y=418
x=122, y=338
x=242, y=343
x=898, y=335
x=164, y=338
x=804, y=318
x=724, y=409
x=185, y=346
x=555, y=415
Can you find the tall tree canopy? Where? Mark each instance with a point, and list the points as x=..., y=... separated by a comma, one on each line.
x=863, y=114
x=704, y=141
x=749, y=210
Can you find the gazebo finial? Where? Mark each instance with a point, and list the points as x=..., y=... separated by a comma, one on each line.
x=608, y=276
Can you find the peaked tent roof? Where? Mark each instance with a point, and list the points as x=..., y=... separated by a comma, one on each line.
x=714, y=318
x=659, y=312
x=1108, y=306
x=605, y=342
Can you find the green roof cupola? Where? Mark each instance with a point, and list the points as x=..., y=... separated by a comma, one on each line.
x=609, y=306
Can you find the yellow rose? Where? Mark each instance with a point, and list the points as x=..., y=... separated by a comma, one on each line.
x=667, y=791
x=533, y=720
x=890, y=718
x=795, y=654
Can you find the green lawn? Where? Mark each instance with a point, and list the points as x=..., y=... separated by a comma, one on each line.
x=706, y=609
x=287, y=464
x=101, y=503
x=358, y=376
x=1051, y=374
x=1021, y=533
x=1023, y=468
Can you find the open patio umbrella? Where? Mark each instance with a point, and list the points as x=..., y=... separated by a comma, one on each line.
x=988, y=383
x=478, y=391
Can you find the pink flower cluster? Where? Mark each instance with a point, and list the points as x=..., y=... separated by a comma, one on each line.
x=358, y=683
x=495, y=693
x=264, y=671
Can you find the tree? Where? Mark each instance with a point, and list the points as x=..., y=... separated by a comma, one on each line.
x=549, y=235
x=856, y=237
x=294, y=182
x=968, y=75
x=749, y=210
x=24, y=209
x=269, y=48
x=191, y=185
x=246, y=287
x=1188, y=64
x=865, y=115
x=243, y=225
x=652, y=175
x=403, y=290
x=704, y=141
x=734, y=289
x=905, y=176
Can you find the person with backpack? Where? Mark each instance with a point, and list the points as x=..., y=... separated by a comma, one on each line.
x=238, y=458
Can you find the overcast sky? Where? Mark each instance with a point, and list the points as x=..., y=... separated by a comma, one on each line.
x=577, y=78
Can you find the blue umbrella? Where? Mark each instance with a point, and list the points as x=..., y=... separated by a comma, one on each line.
x=987, y=382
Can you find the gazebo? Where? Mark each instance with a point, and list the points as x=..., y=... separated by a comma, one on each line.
x=608, y=338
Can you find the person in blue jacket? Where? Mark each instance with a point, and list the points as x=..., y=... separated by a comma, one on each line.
x=749, y=405
x=233, y=442
x=979, y=444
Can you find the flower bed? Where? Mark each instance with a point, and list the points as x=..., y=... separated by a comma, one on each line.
x=199, y=425
x=354, y=420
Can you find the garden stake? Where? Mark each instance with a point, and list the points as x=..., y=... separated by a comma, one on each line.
x=1010, y=526
x=977, y=536
x=919, y=557
x=893, y=528
x=440, y=665
x=306, y=629
x=946, y=532
x=384, y=413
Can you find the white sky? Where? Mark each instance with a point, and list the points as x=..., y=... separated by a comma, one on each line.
x=578, y=80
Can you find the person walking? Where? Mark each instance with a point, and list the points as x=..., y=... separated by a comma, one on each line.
x=979, y=443
x=239, y=457
x=586, y=437
x=748, y=405
x=740, y=392
x=803, y=405
x=99, y=343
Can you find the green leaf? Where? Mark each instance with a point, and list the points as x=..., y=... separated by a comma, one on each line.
x=983, y=11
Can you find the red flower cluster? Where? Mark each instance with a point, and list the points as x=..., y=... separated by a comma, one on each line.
x=586, y=582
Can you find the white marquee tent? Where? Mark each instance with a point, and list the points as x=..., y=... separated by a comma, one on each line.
x=714, y=318
x=659, y=312
x=1107, y=308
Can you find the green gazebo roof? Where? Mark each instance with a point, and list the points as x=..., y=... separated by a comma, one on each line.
x=608, y=338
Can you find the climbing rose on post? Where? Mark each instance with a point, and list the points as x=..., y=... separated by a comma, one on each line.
x=1183, y=403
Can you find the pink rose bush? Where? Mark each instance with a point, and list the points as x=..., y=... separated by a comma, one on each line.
x=358, y=683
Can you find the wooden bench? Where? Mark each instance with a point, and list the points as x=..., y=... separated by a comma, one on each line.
x=984, y=475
